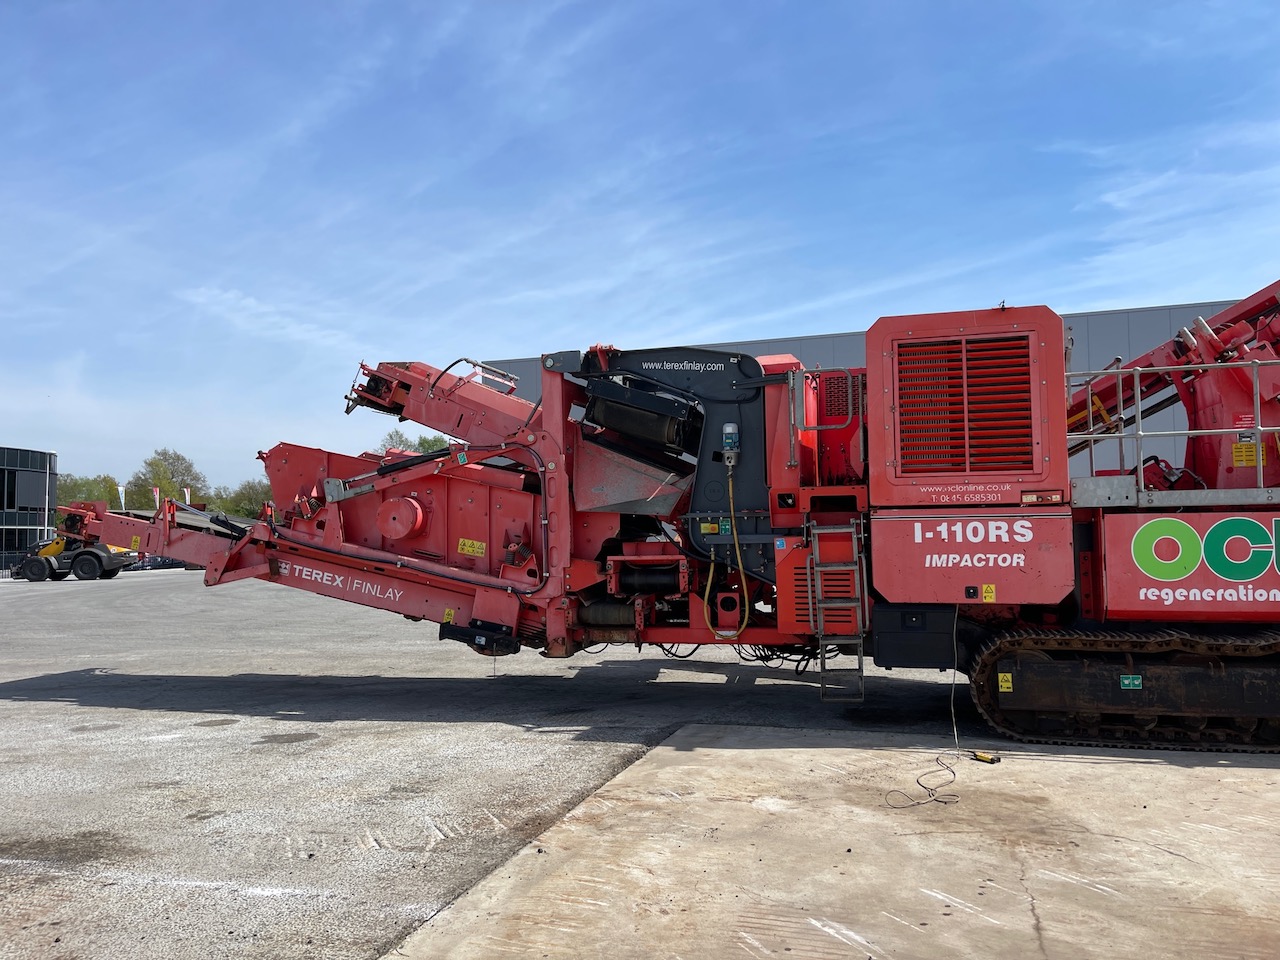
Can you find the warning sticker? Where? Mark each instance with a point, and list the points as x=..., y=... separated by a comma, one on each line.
x=448, y=615
x=1005, y=681
x=1246, y=455
x=988, y=593
x=471, y=548
x=135, y=543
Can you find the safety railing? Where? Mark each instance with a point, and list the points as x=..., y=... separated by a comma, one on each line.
x=800, y=383
x=1115, y=413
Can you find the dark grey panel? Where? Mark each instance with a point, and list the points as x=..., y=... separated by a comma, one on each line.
x=529, y=372
x=32, y=492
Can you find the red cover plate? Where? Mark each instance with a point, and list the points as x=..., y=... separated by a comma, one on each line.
x=967, y=408
x=1216, y=567
x=972, y=557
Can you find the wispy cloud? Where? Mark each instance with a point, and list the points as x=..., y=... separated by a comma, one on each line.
x=1182, y=216
x=258, y=320
x=354, y=77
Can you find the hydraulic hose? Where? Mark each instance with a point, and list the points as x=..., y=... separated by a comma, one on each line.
x=737, y=550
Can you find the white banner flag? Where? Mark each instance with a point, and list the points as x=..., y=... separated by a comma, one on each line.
x=186, y=492
x=120, y=487
x=156, y=491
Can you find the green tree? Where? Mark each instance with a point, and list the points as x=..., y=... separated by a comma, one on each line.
x=220, y=498
x=397, y=439
x=246, y=500
x=102, y=487
x=168, y=470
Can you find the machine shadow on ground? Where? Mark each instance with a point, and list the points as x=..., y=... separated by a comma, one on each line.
x=617, y=701
x=625, y=701
x=612, y=700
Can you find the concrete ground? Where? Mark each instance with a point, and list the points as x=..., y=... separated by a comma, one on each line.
x=254, y=772
x=762, y=842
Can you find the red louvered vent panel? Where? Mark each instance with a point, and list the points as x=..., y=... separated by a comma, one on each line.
x=800, y=591
x=998, y=375
x=931, y=407
x=839, y=585
x=965, y=405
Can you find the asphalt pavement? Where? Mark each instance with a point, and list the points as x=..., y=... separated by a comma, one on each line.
x=255, y=772
x=251, y=771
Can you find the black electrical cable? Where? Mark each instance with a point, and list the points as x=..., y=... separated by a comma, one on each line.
x=946, y=760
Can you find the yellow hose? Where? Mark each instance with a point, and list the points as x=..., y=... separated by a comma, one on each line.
x=737, y=550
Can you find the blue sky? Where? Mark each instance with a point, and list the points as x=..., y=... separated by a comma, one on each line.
x=210, y=212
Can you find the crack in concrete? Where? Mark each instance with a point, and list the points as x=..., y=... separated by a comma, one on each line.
x=1145, y=843
x=1035, y=912
x=1174, y=853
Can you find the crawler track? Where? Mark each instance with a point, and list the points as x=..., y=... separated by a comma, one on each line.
x=1166, y=689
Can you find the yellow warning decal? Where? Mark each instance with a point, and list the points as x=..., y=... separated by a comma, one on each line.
x=988, y=593
x=1246, y=455
x=448, y=615
x=1006, y=682
x=472, y=548
x=135, y=543
x=711, y=527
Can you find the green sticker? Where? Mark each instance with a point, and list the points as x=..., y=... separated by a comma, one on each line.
x=1130, y=681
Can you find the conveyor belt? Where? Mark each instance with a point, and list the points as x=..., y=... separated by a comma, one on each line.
x=219, y=524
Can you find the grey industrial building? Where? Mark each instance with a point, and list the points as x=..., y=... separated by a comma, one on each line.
x=28, y=499
x=1097, y=338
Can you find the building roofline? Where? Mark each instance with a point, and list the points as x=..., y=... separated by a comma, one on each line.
x=1220, y=304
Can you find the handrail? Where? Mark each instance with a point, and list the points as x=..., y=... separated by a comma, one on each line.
x=1121, y=426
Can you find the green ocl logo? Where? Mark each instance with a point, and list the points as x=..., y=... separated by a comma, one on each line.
x=1256, y=554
